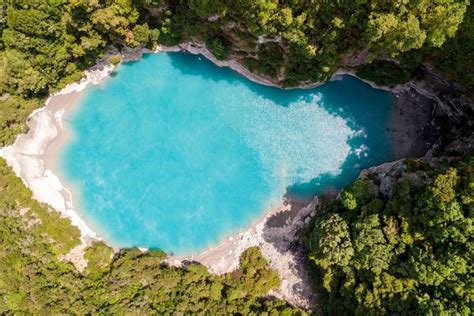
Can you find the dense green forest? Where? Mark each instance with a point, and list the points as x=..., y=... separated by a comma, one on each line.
x=310, y=37
x=411, y=251
x=406, y=252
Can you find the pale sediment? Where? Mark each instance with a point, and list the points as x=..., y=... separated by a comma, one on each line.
x=33, y=157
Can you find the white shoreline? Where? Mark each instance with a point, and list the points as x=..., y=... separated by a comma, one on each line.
x=27, y=156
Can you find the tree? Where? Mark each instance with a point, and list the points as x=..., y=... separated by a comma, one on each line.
x=405, y=253
x=395, y=34
x=330, y=242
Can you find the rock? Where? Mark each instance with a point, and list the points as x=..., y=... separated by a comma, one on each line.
x=262, y=39
x=355, y=59
x=133, y=54
x=299, y=224
x=213, y=18
x=385, y=186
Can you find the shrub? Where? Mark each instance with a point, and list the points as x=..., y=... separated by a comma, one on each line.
x=115, y=59
x=219, y=47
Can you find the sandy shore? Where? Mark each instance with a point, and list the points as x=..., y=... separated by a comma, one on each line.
x=34, y=157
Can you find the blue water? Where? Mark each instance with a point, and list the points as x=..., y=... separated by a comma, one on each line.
x=175, y=153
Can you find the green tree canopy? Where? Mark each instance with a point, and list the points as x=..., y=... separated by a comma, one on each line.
x=410, y=252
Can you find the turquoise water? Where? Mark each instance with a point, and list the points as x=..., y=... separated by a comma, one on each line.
x=175, y=153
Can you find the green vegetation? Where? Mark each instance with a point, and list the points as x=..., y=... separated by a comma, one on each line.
x=16, y=201
x=410, y=252
x=313, y=35
x=390, y=73
x=33, y=280
x=270, y=59
x=456, y=57
x=219, y=47
x=115, y=59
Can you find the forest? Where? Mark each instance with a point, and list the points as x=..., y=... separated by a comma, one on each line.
x=372, y=254
x=405, y=252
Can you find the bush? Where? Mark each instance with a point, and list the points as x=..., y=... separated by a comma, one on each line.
x=219, y=47
x=115, y=59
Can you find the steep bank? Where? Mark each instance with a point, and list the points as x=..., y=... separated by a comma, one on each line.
x=429, y=110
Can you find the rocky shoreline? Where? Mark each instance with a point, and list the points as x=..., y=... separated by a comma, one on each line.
x=421, y=105
x=417, y=116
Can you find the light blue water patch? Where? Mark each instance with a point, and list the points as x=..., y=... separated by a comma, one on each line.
x=176, y=153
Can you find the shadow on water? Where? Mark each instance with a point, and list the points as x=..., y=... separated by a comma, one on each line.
x=365, y=109
x=367, y=113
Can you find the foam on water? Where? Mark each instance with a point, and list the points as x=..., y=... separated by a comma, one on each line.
x=175, y=153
